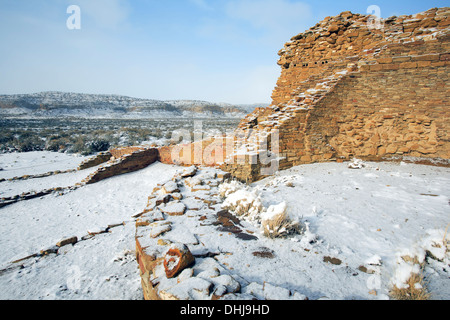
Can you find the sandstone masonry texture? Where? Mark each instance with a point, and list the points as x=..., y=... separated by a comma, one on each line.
x=349, y=90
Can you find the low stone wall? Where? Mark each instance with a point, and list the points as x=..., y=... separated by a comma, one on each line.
x=131, y=162
x=98, y=159
x=120, y=152
x=210, y=152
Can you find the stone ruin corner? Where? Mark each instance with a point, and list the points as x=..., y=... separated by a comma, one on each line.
x=349, y=88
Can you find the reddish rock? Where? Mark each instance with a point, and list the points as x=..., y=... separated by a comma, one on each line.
x=177, y=258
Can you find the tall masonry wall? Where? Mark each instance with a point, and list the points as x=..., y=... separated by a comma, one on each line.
x=350, y=86
x=349, y=89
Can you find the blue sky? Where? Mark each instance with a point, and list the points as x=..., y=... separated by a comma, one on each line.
x=216, y=50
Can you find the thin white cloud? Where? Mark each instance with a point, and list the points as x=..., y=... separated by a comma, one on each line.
x=99, y=60
x=108, y=14
x=257, y=84
x=277, y=18
x=269, y=13
x=202, y=4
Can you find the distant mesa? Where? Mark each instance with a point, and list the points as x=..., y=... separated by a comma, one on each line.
x=66, y=104
x=348, y=90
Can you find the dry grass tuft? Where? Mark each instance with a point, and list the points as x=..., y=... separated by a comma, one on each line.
x=280, y=226
x=416, y=289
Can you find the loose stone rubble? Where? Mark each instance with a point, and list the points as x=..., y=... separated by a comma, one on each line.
x=180, y=255
x=348, y=89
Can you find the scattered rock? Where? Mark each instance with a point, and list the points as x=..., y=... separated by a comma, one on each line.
x=177, y=196
x=170, y=187
x=264, y=253
x=272, y=292
x=51, y=250
x=174, y=208
x=219, y=292
x=255, y=289
x=156, y=215
x=331, y=260
x=193, y=204
x=230, y=284
x=209, y=273
x=193, y=181
x=159, y=228
x=182, y=234
x=65, y=242
x=246, y=236
x=200, y=187
x=177, y=258
x=190, y=289
x=366, y=270
x=97, y=231
x=189, y=172
x=185, y=274
x=165, y=198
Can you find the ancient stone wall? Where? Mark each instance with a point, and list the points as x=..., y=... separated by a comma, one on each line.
x=348, y=90
x=410, y=118
x=120, y=152
x=349, y=87
x=209, y=152
x=96, y=160
x=130, y=162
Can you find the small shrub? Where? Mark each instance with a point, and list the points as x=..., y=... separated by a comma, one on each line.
x=227, y=188
x=53, y=145
x=244, y=203
x=78, y=146
x=31, y=143
x=414, y=289
x=276, y=222
x=99, y=146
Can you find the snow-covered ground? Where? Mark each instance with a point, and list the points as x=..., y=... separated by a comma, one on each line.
x=360, y=217
x=37, y=162
x=63, y=180
x=101, y=268
x=100, y=262
x=380, y=212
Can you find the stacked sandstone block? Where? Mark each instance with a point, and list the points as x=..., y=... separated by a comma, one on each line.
x=350, y=90
x=189, y=248
x=174, y=262
x=96, y=160
x=128, y=162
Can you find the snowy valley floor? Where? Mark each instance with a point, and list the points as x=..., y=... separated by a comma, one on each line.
x=366, y=217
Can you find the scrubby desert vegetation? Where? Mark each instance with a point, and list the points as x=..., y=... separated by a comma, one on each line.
x=89, y=136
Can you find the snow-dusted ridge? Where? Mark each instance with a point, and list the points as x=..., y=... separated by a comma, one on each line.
x=67, y=104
